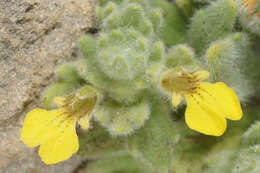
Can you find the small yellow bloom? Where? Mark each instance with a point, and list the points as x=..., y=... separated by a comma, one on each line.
x=55, y=130
x=207, y=104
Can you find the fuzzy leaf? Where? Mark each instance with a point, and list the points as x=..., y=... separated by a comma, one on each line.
x=226, y=60
x=180, y=55
x=87, y=46
x=173, y=30
x=121, y=163
x=57, y=89
x=153, y=144
x=122, y=119
x=97, y=142
x=68, y=73
x=252, y=135
x=248, y=161
x=157, y=52
x=207, y=26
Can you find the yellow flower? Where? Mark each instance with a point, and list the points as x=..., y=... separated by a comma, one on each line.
x=207, y=104
x=55, y=130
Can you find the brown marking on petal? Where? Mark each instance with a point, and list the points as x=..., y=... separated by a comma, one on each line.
x=192, y=96
x=198, y=103
x=59, y=120
x=81, y=102
x=54, y=119
x=67, y=123
x=179, y=81
x=205, y=91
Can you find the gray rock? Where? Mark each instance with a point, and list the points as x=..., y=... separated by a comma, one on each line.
x=35, y=37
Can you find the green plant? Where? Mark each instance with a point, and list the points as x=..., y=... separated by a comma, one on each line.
x=135, y=128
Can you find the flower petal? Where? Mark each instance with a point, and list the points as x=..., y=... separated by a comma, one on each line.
x=59, y=100
x=176, y=99
x=221, y=97
x=39, y=126
x=201, y=75
x=84, y=122
x=61, y=146
x=202, y=118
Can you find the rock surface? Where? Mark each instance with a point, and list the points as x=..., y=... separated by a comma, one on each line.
x=35, y=37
